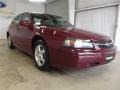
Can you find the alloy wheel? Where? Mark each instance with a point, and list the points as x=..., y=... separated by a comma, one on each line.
x=40, y=55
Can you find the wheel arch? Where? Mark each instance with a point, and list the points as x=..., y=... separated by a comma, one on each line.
x=35, y=38
x=8, y=34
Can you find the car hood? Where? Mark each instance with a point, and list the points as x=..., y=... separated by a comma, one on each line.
x=84, y=34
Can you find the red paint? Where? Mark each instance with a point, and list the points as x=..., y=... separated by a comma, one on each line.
x=61, y=57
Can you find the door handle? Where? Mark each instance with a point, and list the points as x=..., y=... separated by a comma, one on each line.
x=18, y=29
x=42, y=31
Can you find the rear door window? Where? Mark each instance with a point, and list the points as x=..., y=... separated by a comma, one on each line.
x=16, y=20
x=25, y=17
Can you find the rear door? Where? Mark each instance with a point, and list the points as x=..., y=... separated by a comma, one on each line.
x=24, y=33
x=14, y=30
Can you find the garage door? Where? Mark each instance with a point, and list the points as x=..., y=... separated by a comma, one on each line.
x=4, y=24
x=102, y=20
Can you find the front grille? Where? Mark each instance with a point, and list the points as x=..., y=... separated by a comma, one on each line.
x=104, y=44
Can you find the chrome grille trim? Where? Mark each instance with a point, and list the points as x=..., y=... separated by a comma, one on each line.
x=104, y=44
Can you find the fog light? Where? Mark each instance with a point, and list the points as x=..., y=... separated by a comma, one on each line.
x=109, y=58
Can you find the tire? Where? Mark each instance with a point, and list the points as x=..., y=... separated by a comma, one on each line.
x=10, y=44
x=41, y=56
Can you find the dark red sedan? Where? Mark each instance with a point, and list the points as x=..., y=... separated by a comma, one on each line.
x=55, y=42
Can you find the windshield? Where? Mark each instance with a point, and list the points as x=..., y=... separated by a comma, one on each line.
x=60, y=21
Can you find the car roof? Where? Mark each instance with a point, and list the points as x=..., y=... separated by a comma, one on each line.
x=36, y=13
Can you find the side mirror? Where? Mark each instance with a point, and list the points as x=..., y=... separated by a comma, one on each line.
x=24, y=23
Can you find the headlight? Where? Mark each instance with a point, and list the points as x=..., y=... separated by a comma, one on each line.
x=77, y=43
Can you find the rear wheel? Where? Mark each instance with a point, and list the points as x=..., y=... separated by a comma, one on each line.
x=10, y=44
x=41, y=55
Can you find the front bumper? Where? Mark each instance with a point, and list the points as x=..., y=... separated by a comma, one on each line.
x=69, y=58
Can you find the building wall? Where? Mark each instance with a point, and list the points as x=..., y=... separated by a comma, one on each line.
x=19, y=6
x=25, y=5
x=80, y=4
x=71, y=11
x=13, y=8
x=58, y=7
x=83, y=5
x=117, y=37
x=102, y=20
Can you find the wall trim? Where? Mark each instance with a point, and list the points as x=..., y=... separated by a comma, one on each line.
x=50, y=2
x=72, y=11
x=97, y=7
x=117, y=36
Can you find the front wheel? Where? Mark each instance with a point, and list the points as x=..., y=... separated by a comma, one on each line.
x=41, y=55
